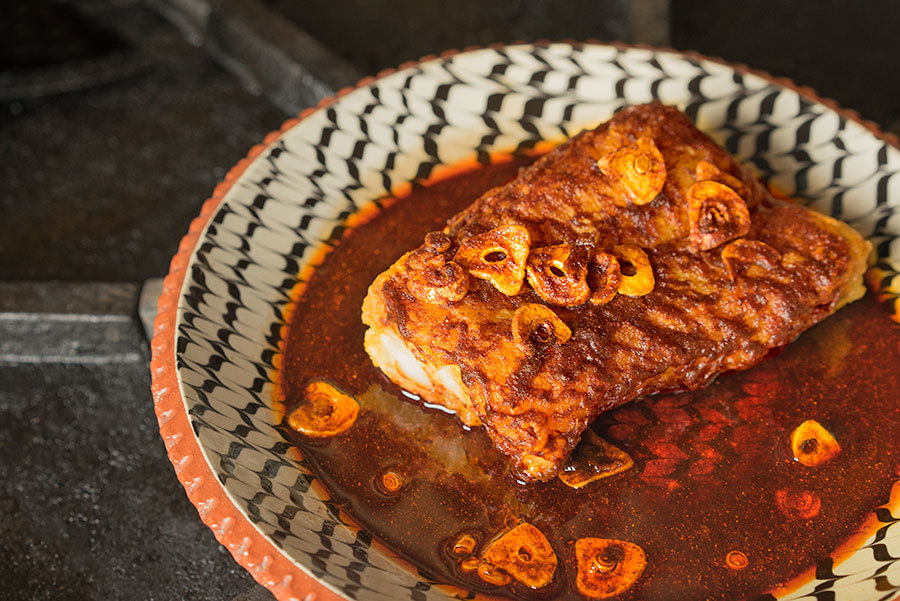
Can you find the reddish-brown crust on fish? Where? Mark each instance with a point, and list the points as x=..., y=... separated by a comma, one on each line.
x=704, y=315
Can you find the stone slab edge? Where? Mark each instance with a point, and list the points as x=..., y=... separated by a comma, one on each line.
x=268, y=53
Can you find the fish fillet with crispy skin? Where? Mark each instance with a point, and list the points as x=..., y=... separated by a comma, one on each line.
x=635, y=258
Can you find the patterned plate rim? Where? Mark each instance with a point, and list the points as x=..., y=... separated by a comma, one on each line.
x=268, y=565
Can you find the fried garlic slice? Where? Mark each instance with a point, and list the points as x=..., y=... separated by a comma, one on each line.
x=604, y=277
x=707, y=171
x=558, y=274
x=325, y=411
x=753, y=258
x=464, y=545
x=717, y=214
x=632, y=258
x=433, y=279
x=798, y=504
x=535, y=326
x=813, y=445
x=525, y=554
x=607, y=567
x=636, y=171
x=498, y=256
x=736, y=560
x=437, y=242
x=492, y=575
x=594, y=459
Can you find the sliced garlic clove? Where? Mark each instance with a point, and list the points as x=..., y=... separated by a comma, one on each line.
x=535, y=326
x=525, y=554
x=636, y=171
x=435, y=280
x=594, y=459
x=558, y=274
x=604, y=278
x=717, y=214
x=498, y=256
x=632, y=258
x=813, y=445
x=707, y=171
x=325, y=411
x=753, y=258
x=607, y=567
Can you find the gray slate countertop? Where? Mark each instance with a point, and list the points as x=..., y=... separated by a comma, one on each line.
x=100, y=185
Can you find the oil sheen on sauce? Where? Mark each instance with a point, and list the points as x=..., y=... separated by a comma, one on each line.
x=715, y=498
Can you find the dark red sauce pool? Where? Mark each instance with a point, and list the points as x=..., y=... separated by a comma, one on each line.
x=713, y=469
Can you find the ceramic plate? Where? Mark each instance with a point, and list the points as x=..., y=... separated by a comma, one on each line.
x=221, y=325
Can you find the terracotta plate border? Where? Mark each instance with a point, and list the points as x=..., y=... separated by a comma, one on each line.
x=249, y=547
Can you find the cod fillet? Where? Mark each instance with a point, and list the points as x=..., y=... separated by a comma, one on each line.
x=637, y=257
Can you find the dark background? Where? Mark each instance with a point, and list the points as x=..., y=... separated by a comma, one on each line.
x=101, y=183
x=115, y=125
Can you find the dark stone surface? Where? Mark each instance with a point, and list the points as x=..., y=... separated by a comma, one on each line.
x=102, y=184
x=89, y=505
x=263, y=49
x=68, y=322
x=76, y=298
x=844, y=49
x=66, y=35
x=379, y=34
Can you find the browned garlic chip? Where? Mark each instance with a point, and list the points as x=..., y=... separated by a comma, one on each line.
x=607, y=567
x=525, y=554
x=636, y=171
x=325, y=411
x=717, y=214
x=558, y=274
x=535, y=325
x=636, y=273
x=498, y=255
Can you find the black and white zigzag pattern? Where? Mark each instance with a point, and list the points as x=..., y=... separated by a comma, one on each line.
x=296, y=195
